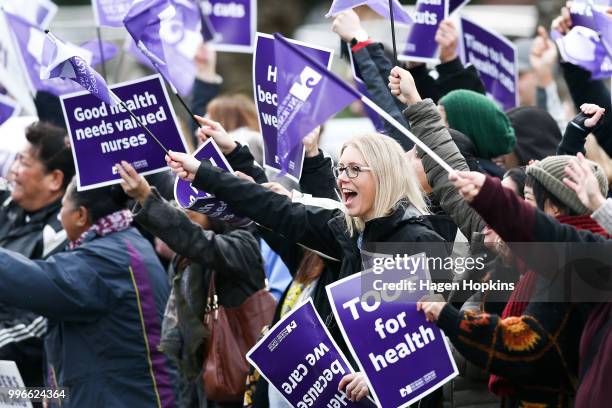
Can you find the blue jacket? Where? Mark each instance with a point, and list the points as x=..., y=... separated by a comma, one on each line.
x=105, y=302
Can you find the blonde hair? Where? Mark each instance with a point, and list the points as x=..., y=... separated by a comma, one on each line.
x=234, y=112
x=395, y=179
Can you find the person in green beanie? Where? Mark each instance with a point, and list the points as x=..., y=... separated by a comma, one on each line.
x=481, y=120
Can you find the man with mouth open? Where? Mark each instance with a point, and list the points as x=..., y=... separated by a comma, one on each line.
x=30, y=225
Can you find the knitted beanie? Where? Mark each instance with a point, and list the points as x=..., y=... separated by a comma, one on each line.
x=550, y=172
x=480, y=119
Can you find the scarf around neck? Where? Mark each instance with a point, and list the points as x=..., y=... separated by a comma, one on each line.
x=115, y=222
x=517, y=303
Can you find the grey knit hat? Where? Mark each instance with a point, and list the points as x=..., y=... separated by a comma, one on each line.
x=550, y=172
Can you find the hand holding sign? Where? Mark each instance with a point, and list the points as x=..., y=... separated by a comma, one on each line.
x=447, y=37
x=134, y=185
x=543, y=57
x=311, y=142
x=348, y=26
x=563, y=23
x=356, y=386
x=206, y=64
x=432, y=306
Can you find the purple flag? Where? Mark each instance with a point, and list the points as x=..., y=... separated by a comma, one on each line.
x=421, y=44
x=583, y=12
x=102, y=136
x=109, y=50
x=455, y=5
x=403, y=356
x=302, y=362
x=110, y=13
x=308, y=94
x=583, y=47
x=37, y=12
x=381, y=7
x=30, y=46
x=208, y=31
x=168, y=33
x=265, y=74
x=495, y=59
x=193, y=199
x=130, y=47
x=63, y=61
x=8, y=108
x=231, y=25
x=603, y=22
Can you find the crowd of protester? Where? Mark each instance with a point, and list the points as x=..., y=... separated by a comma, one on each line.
x=104, y=292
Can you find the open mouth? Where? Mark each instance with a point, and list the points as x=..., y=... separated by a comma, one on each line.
x=349, y=196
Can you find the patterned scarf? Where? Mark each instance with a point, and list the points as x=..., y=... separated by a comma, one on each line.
x=517, y=303
x=115, y=222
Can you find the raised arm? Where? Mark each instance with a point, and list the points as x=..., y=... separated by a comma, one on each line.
x=186, y=238
x=427, y=126
x=66, y=287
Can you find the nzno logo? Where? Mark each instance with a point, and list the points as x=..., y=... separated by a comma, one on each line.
x=291, y=326
x=309, y=78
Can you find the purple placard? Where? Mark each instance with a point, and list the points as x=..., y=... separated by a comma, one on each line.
x=403, y=356
x=8, y=108
x=495, y=59
x=189, y=197
x=264, y=88
x=302, y=361
x=101, y=136
x=421, y=44
x=234, y=23
x=110, y=13
x=362, y=88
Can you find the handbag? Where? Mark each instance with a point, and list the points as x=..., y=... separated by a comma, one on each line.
x=233, y=332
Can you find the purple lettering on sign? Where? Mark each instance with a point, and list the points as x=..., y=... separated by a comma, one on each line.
x=403, y=356
x=110, y=13
x=495, y=59
x=189, y=197
x=265, y=75
x=101, y=135
x=421, y=44
x=299, y=358
x=233, y=24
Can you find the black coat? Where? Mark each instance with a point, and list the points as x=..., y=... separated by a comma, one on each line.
x=316, y=228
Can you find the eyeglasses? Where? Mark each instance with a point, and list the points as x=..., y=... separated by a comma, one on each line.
x=352, y=171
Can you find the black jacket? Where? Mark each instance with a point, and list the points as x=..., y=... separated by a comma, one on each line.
x=318, y=229
x=583, y=89
x=234, y=255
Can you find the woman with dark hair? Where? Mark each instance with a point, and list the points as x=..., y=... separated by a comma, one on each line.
x=104, y=298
